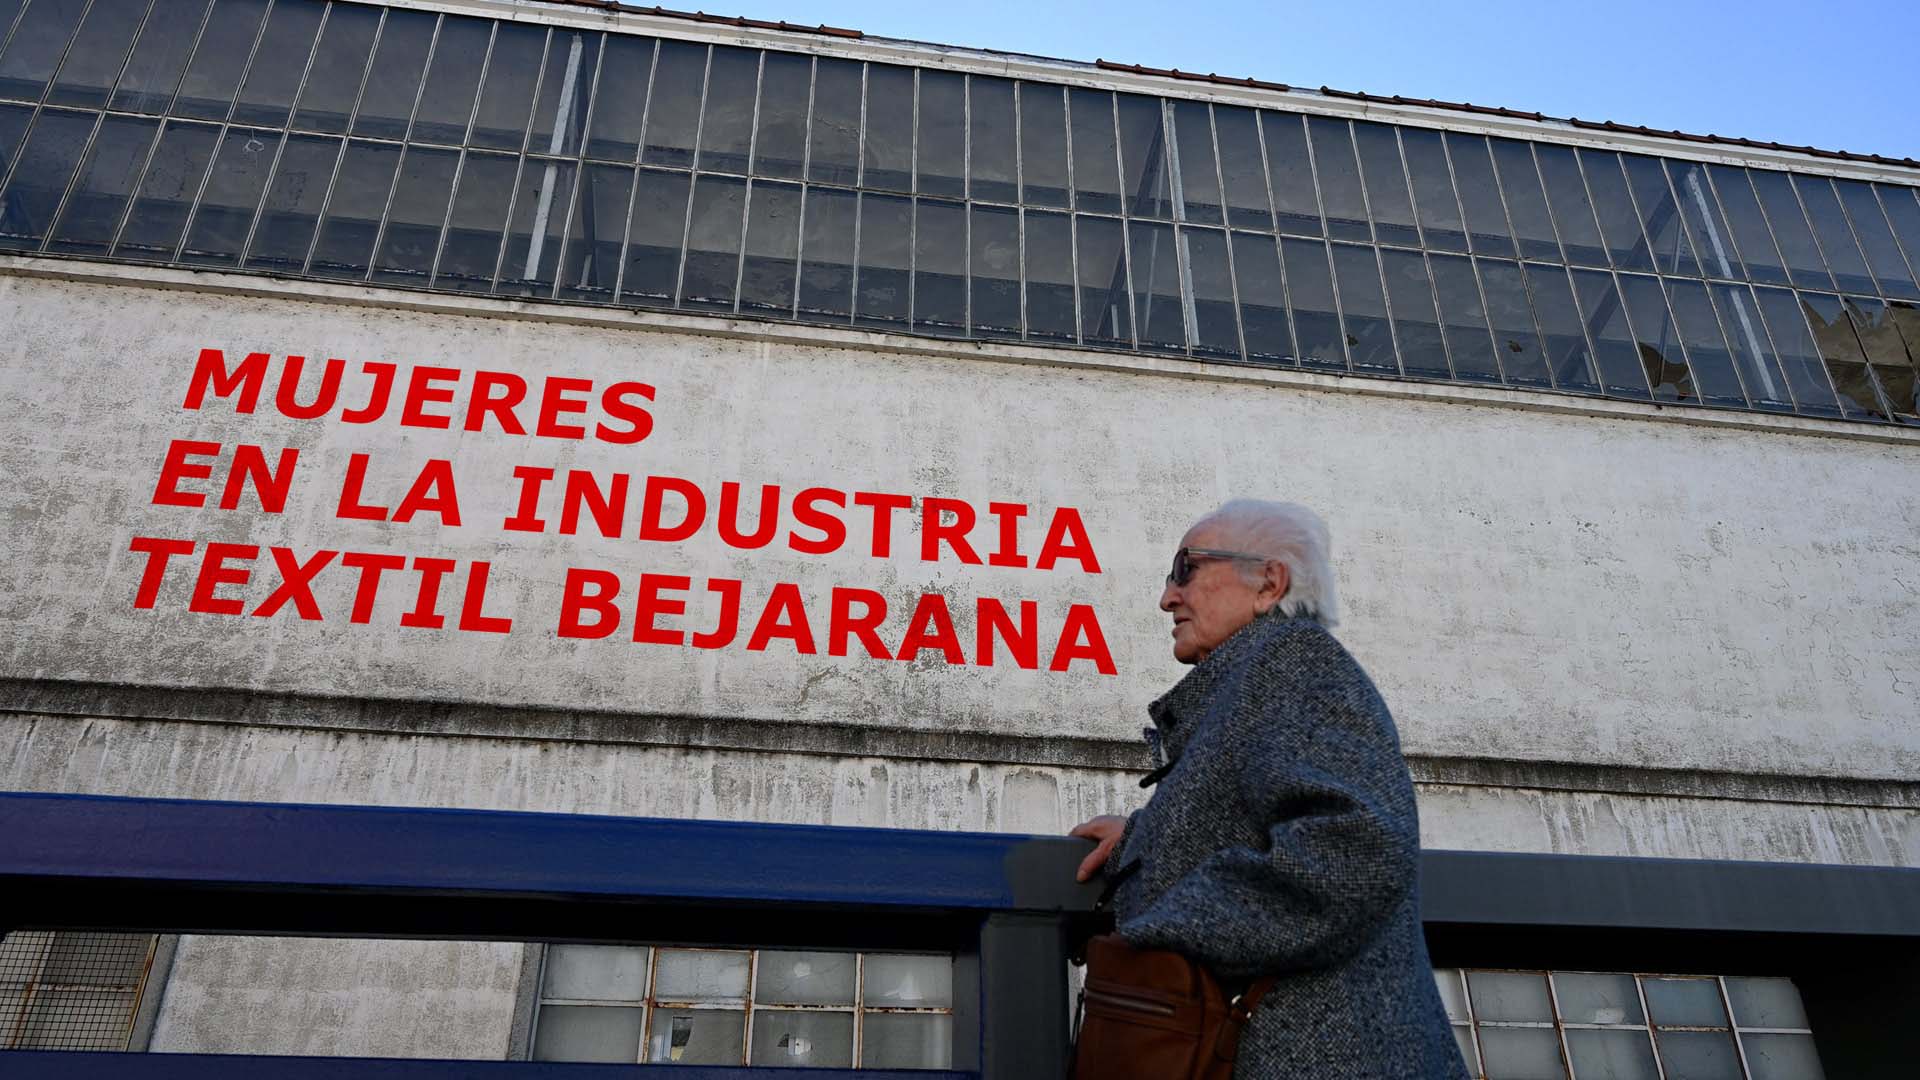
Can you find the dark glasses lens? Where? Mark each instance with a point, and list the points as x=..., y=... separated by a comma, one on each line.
x=1182, y=568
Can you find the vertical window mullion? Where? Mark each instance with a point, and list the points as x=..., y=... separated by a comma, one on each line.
x=1073, y=219
x=339, y=161
x=460, y=163
x=1658, y=1064
x=1125, y=218
x=273, y=169
x=220, y=139
x=753, y=181
x=139, y=183
x=693, y=178
x=579, y=159
x=633, y=192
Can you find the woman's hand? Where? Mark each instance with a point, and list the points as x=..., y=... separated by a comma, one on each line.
x=1105, y=829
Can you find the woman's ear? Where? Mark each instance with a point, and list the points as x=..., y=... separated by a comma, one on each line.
x=1274, y=581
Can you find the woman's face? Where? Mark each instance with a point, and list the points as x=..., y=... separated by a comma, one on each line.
x=1217, y=600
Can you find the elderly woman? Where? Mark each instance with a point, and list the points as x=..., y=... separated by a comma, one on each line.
x=1282, y=838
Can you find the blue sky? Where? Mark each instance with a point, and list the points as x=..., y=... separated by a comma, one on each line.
x=1839, y=74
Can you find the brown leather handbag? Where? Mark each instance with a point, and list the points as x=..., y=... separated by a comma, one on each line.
x=1151, y=1014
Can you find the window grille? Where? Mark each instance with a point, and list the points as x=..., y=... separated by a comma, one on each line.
x=61, y=991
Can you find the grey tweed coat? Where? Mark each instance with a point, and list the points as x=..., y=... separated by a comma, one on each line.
x=1284, y=841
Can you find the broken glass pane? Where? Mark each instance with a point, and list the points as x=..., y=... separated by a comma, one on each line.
x=1798, y=355
x=1840, y=348
x=697, y=1036
x=794, y=1038
x=1707, y=351
x=1886, y=353
x=1616, y=354
x=804, y=978
x=1660, y=350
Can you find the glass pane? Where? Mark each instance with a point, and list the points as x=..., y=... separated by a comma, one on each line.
x=1263, y=297
x=1612, y=1055
x=1793, y=345
x=1487, y=230
x=1682, y=1002
x=1049, y=265
x=159, y=213
x=908, y=982
x=826, y=255
x=1804, y=265
x=218, y=60
x=1672, y=252
x=780, y=145
x=1433, y=189
x=37, y=45
x=1198, y=176
x=99, y=50
x=990, y=128
x=595, y=973
x=833, y=157
x=1766, y=1003
x=697, y=1036
x=1386, y=178
x=620, y=103
x=906, y=1041
x=566, y=88
x=889, y=134
x=1699, y=1055
x=591, y=263
x=1096, y=184
x=942, y=140
x=1363, y=309
x=1846, y=364
x=940, y=267
x=726, y=128
x=886, y=256
x=1572, y=207
x=1515, y=338
x=1105, y=315
x=1700, y=213
x=1886, y=353
x=587, y=1033
x=1318, y=339
x=1753, y=356
x=713, y=242
x=266, y=98
x=106, y=183
x=673, y=110
x=345, y=246
x=393, y=79
x=419, y=209
x=773, y=243
x=1660, y=350
x=232, y=195
x=1594, y=998
x=1043, y=145
x=1707, y=351
x=1521, y=1053
x=655, y=234
x=160, y=57
x=1416, y=323
x=1469, y=343
x=1902, y=206
x=1143, y=157
x=1526, y=200
x=995, y=271
x=1616, y=354
x=1453, y=995
x=346, y=44
x=513, y=67
x=1831, y=228
x=1782, y=1057
x=804, y=978
x=476, y=221
x=96, y=960
x=1214, y=329
x=1508, y=995
x=453, y=78
x=1562, y=333
x=819, y=1039
x=1890, y=271
x=1749, y=227
x=1243, y=169
x=1613, y=207
x=291, y=213
x=1157, y=311
x=1469, y=1053
x=1340, y=195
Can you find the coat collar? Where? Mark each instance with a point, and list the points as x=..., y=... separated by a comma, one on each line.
x=1190, y=695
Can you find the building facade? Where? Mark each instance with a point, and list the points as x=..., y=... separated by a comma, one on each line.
x=561, y=407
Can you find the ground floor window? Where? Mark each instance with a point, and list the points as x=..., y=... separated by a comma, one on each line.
x=62, y=991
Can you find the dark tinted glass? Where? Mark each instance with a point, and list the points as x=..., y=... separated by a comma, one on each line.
x=834, y=154
x=995, y=271
x=1515, y=338
x=393, y=78
x=1199, y=178
x=1839, y=346
x=826, y=255
x=1890, y=270
x=159, y=213
x=889, y=132
x=590, y=267
x=673, y=108
x=1831, y=228
x=414, y=219
x=1661, y=353
x=990, y=133
x=1433, y=195
x=1887, y=355
x=1215, y=330
x=39, y=40
x=98, y=52
x=1416, y=324
x=1464, y=318
x=1318, y=339
x=726, y=127
x=620, y=102
x=882, y=288
x=219, y=229
x=475, y=222
x=1790, y=230
x=1386, y=179
x=767, y=265
x=266, y=97
x=1748, y=226
x=1796, y=352
x=160, y=57
x=506, y=98
x=1263, y=298
x=1105, y=315
x=780, y=145
x=291, y=213
x=1157, y=314
x=1049, y=277
x=654, y=237
x=1572, y=208
x=346, y=44
x=1902, y=206
x=941, y=161
x=1473, y=178
x=105, y=185
x=1296, y=205
x=344, y=247
x=566, y=90
x=219, y=59
x=713, y=242
x=1143, y=157
x=1043, y=145
x=1562, y=331
x=1243, y=168
x=1613, y=207
x=453, y=79
x=1363, y=309
x=1096, y=181
x=1334, y=165
x=1700, y=214
x=940, y=267
x=1616, y=354
x=1671, y=249
x=1752, y=353
x=1526, y=200
x=542, y=198
x=46, y=163
x=1707, y=352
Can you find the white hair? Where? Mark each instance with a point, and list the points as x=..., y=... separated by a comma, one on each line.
x=1292, y=535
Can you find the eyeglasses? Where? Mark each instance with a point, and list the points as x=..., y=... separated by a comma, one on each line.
x=1187, y=559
